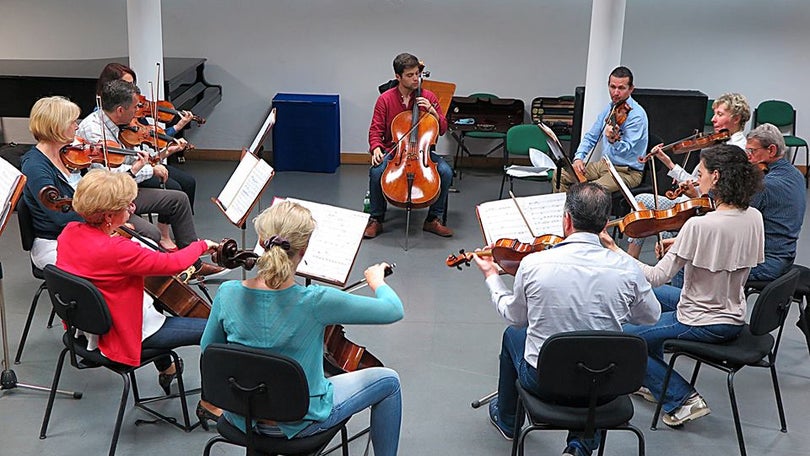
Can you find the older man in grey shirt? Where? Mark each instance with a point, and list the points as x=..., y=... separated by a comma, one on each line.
x=576, y=285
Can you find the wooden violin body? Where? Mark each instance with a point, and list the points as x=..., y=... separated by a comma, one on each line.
x=166, y=111
x=508, y=253
x=648, y=222
x=82, y=155
x=136, y=134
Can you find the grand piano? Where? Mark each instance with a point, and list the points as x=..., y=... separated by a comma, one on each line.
x=23, y=82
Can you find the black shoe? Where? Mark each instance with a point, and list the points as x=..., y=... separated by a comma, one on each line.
x=203, y=414
x=165, y=380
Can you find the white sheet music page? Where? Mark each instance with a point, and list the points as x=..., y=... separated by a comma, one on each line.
x=244, y=186
x=622, y=186
x=9, y=180
x=500, y=219
x=334, y=243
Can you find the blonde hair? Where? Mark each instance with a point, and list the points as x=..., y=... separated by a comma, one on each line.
x=737, y=105
x=284, y=229
x=50, y=117
x=101, y=191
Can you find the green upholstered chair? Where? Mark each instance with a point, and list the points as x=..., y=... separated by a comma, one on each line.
x=519, y=139
x=486, y=135
x=782, y=114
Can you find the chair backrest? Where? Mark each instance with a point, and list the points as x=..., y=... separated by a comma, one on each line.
x=483, y=95
x=77, y=301
x=776, y=112
x=26, y=222
x=707, y=122
x=254, y=383
x=590, y=367
x=522, y=137
x=773, y=303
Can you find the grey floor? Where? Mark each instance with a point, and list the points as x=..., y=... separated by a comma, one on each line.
x=445, y=349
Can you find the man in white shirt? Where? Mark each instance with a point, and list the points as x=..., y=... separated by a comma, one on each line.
x=576, y=285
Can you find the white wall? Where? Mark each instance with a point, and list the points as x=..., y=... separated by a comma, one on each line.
x=514, y=48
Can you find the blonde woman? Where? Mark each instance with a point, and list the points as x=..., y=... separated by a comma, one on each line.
x=117, y=267
x=731, y=112
x=272, y=312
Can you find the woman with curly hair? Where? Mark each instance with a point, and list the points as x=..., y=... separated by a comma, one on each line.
x=716, y=251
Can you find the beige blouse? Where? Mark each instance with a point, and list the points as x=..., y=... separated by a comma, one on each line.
x=717, y=251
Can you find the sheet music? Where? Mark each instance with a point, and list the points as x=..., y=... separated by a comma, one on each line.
x=552, y=141
x=9, y=183
x=334, y=243
x=244, y=186
x=501, y=219
x=622, y=186
x=262, y=134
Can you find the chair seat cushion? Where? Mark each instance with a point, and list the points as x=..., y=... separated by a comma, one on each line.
x=614, y=413
x=280, y=445
x=746, y=349
x=94, y=358
x=485, y=134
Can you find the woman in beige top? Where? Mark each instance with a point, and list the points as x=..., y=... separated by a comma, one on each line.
x=716, y=251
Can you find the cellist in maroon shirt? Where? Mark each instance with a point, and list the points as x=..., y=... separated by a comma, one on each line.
x=407, y=70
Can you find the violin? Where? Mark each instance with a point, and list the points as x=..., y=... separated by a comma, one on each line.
x=136, y=134
x=617, y=118
x=695, y=142
x=166, y=111
x=82, y=154
x=340, y=355
x=680, y=190
x=647, y=222
x=170, y=291
x=507, y=253
x=411, y=178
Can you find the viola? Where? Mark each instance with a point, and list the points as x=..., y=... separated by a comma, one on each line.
x=507, y=253
x=647, y=222
x=411, y=178
x=136, y=134
x=82, y=154
x=166, y=111
x=174, y=294
x=340, y=355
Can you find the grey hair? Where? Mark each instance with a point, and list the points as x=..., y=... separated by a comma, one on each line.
x=767, y=135
x=589, y=206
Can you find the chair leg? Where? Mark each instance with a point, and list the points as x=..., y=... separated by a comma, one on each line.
x=735, y=412
x=120, y=417
x=27, y=327
x=519, y=436
x=663, y=391
x=503, y=181
x=344, y=438
x=211, y=442
x=50, y=319
x=182, y=391
x=44, y=429
x=695, y=373
x=778, y=394
x=602, y=442
x=642, y=446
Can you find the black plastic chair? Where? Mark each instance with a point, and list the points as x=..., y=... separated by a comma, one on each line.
x=585, y=378
x=801, y=296
x=79, y=303
x=258, y=384
x=26, y=223
x=755, y=346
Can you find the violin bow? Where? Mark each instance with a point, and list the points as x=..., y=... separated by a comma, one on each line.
x=660, y=241
x=101, y=115
x=523, y=216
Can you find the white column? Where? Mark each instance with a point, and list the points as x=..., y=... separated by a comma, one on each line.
x=604, y=54
x=145, y=34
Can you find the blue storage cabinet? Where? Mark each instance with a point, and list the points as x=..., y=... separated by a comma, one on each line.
x=306, y=135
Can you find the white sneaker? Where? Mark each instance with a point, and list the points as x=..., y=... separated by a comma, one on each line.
x=694, y=408
x=645, y=393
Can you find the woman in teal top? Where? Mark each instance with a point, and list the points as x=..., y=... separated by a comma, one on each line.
x=271, y=311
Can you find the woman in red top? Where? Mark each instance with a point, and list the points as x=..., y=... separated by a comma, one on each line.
x=117, y=267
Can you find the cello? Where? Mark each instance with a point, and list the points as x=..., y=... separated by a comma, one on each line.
x=411, y=179
x=174, y=294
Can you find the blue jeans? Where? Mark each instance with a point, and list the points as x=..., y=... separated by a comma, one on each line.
x=377, y=202
x=377, y=387
x=513, y=366
x=770, y=269
x=668, y=327
x=175, y=332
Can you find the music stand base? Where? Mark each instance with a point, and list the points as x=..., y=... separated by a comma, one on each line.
x=484, y=400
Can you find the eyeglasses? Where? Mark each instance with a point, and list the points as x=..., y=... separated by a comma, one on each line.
x=751, y=150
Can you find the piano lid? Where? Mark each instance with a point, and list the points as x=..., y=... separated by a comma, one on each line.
x=22, y=82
